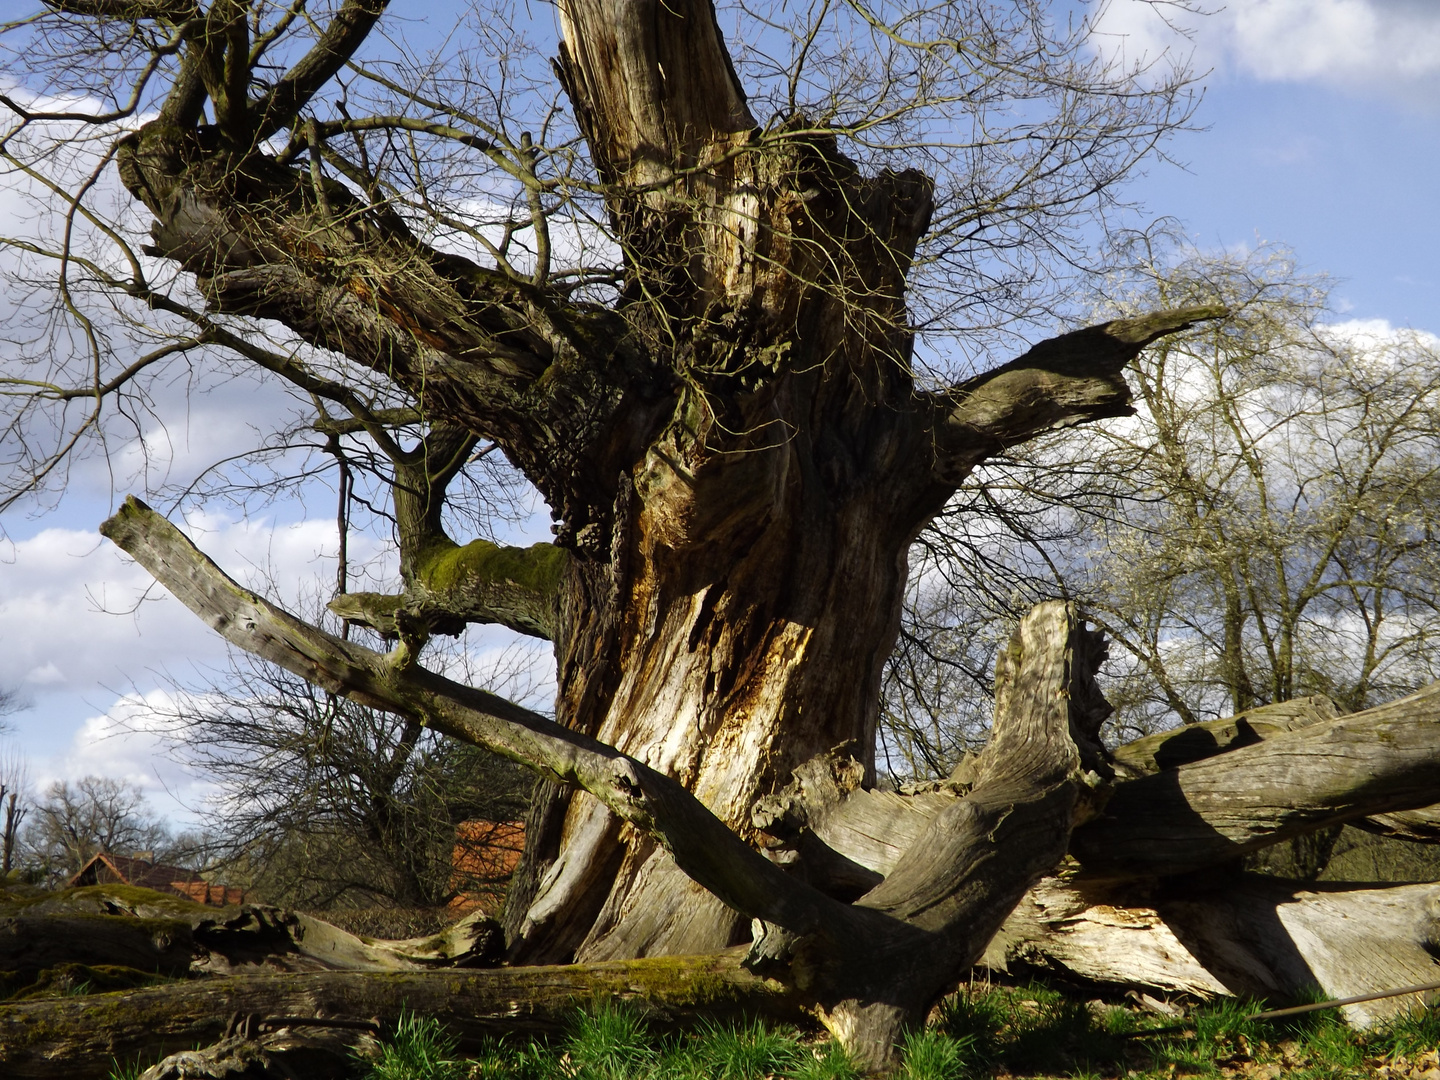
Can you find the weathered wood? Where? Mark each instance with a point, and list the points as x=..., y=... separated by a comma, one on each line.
x=150, y=931
x=656, y=805
x=81, y=1037
x=1215, y=810
x=1195, y=742
x=956, y=885
x=1244, y=935
x=29, y=944
x=826, y=807
x=871, y=969
x=1269, y=938
x=1060, y=929
x=1067, y=380
x=299, y=1052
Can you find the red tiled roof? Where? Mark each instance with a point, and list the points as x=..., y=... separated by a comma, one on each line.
x=147, y=875
x=485, y=854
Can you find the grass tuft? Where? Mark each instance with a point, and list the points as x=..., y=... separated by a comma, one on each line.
x=610, y=1042
x=419, y=1050
x=931, y=1055
x=126, y=1070
x=747, y=1052
x=1412, y=1033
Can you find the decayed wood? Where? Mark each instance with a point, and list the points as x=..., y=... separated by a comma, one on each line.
x=1269, y=938
x=1059, y=383
x=30, y=944
x=1421, y=825
x=1059, y=928
x=735, y=453
x=81, y=1037
x=1245, y=935
x=311, y=1052
x=653, y=803
x=872, y=968
x=148, y=931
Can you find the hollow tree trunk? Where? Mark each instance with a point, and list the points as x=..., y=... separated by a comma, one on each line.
x=737, y=656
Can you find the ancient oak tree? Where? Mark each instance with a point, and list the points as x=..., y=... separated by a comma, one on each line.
x=676, y=281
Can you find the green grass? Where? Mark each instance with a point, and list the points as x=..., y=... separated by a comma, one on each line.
x=420, y=1049
x=129, y=1070
x=1032, y=1031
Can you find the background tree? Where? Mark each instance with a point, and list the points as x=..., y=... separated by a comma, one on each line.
x=14, y=804
x=73, y=823
x=1275, y=537
x=1261, y=529
x=332, y=806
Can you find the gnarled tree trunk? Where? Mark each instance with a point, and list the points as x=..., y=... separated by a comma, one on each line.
x=870, y=969
x=736, y=452
x=737, y=456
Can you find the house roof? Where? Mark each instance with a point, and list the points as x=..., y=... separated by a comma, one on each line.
x=131, y=871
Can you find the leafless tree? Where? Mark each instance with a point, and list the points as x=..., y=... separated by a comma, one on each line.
x=325, y=804
x=73, y=823
x=704, y=298
x=14, y=800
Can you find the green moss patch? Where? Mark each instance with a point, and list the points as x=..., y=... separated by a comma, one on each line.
x=446, y=566
x=73, y=980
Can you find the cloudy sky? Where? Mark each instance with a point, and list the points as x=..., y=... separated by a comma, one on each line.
x=1322, y=132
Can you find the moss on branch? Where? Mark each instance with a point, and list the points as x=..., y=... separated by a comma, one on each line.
x=447, y=566
x=479, y=582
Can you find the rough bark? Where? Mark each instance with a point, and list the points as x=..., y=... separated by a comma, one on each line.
x=81, y=1037
x=870, y=969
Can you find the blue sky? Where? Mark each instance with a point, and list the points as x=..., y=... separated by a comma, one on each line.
x=1322, y=133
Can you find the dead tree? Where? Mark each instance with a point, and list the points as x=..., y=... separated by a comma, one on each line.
x=727, y=425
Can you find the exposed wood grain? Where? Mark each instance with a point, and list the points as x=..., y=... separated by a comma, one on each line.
x=1244, y=935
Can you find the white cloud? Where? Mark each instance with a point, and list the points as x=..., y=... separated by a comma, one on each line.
x=129, y=742
x=71, y=603
x=1380, y=336
x=1387, y=46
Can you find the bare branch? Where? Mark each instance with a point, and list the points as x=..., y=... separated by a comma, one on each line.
x=1067, y=380
x=656, y=804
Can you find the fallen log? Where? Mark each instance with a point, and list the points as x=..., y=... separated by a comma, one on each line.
x=82, y=1037
x=31, y=944
x=1214, y=810
x=1248, y=936
x=1199, y=796
x=149, y=931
